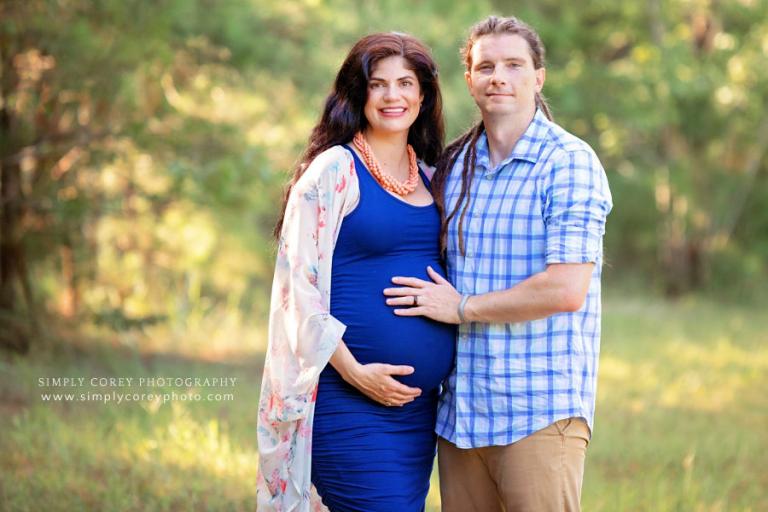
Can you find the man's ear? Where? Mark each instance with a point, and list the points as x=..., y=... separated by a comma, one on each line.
x=468, y=79
x=541, y=75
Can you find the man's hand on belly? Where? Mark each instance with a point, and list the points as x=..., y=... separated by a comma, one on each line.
x=437, y=300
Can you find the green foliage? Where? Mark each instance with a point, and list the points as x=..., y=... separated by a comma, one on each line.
x=116, y=320
x=154, y=141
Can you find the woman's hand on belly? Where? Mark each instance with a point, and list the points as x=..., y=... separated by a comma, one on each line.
x=376, y=381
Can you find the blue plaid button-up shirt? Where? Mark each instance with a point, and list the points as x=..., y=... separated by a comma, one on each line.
x=546, y=203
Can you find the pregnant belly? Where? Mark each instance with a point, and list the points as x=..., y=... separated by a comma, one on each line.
x=376, y=335
x=425, y=345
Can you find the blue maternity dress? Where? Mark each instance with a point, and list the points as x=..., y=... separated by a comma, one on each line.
x=366, y=456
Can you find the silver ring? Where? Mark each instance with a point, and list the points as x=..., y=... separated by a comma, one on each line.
x=415, y=300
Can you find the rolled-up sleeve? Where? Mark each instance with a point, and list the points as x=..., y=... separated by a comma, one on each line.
x=577, y=203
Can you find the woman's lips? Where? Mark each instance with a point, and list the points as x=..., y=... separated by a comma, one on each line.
x=393, y=111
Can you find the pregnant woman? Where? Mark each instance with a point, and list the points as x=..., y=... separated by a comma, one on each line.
x=357, y=212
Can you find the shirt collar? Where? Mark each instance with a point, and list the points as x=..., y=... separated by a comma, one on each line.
x=527, y=147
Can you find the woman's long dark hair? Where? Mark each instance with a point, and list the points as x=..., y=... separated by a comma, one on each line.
x=343, y=114
x=490, y=26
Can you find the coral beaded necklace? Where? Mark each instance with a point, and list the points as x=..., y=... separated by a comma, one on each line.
x=384, y=179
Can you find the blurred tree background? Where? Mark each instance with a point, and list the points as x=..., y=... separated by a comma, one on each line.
x=144, y=144
x=143, y=149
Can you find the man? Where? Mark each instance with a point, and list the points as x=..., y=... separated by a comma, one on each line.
x=526, y=204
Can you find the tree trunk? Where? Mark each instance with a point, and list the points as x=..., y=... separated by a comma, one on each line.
x=10, y=248
x=12, y=332
x=69, y=303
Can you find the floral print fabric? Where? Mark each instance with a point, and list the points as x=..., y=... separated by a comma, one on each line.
x=302, y=333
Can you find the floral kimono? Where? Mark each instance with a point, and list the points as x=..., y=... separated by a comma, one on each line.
x=302, y=333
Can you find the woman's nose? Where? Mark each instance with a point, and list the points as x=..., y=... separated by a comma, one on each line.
x=390, y=92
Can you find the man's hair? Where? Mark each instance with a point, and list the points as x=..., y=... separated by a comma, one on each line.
x=492, y=25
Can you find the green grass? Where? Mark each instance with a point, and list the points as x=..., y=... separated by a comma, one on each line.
x=149, y=456
x=682, y=413
x=682, y=421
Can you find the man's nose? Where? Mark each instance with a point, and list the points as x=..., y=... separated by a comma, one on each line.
x=498, y=77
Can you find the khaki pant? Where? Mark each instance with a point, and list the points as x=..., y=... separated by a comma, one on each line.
x=540, y=473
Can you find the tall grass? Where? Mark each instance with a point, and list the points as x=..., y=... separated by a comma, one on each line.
x=682, y=417
x=681, y=425
x=166, y=454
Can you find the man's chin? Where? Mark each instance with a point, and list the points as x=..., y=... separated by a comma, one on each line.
x=497, y=109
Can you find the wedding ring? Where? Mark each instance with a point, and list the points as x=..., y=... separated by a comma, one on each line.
x=415, y=300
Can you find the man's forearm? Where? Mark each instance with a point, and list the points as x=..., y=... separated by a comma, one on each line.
x=559, y=289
